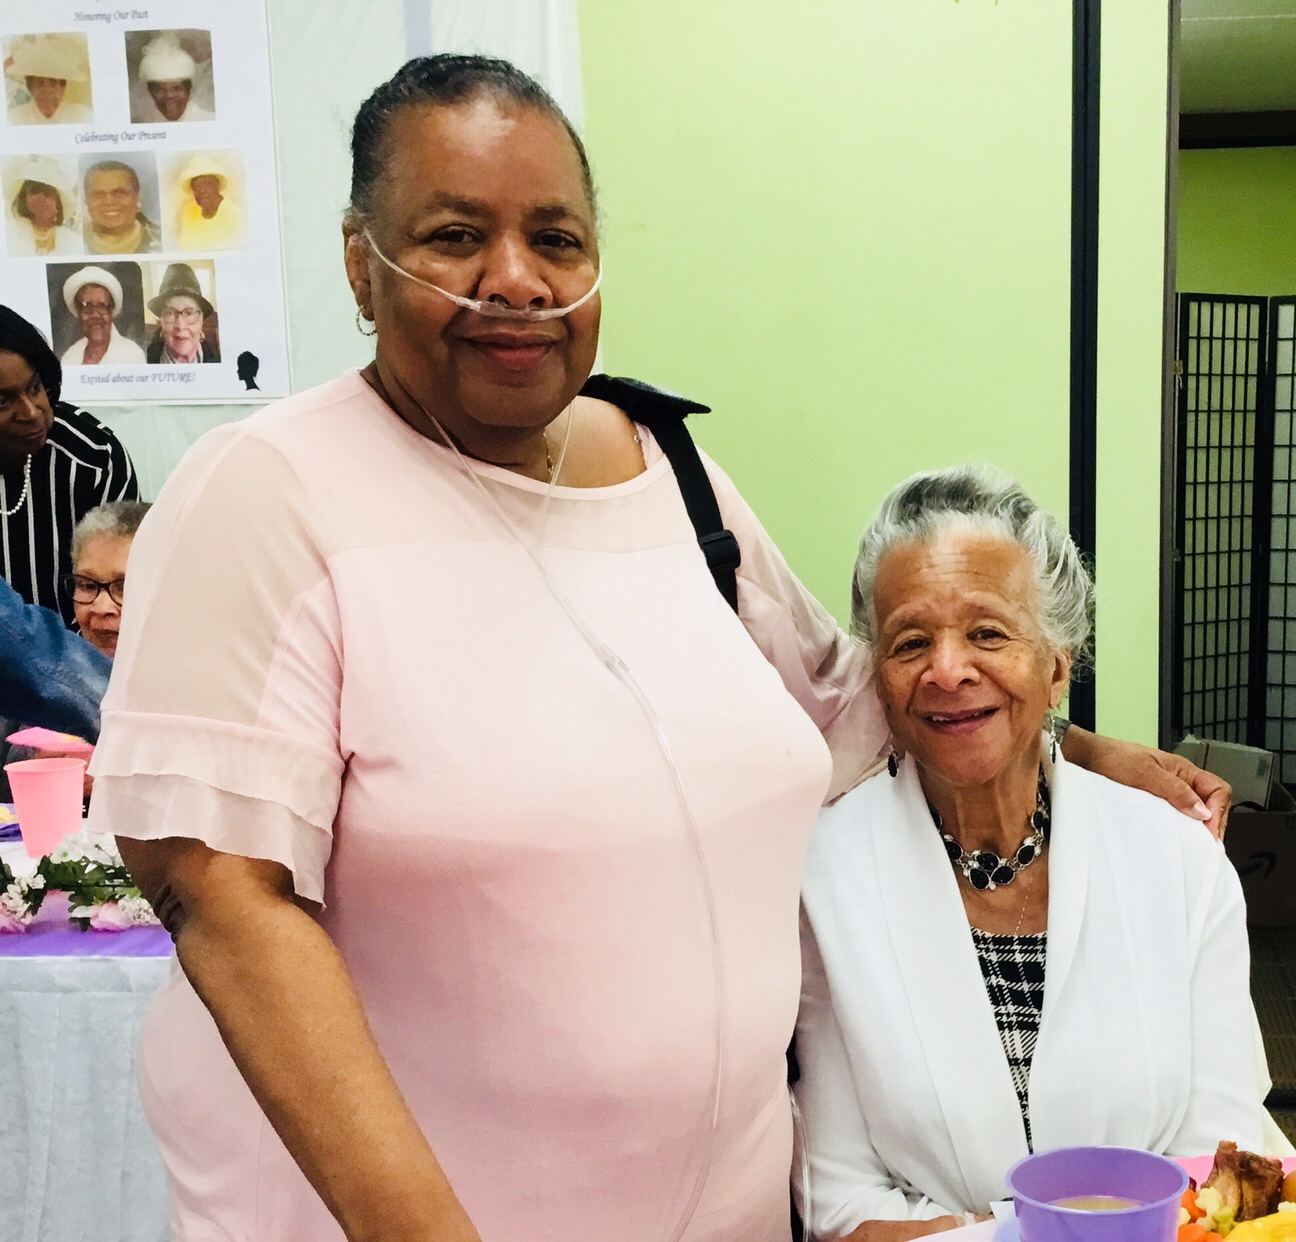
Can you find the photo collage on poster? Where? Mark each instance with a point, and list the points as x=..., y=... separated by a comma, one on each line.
x=145, y=232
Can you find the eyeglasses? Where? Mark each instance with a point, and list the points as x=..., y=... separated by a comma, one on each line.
x=86, y=590
x=95, y=308
x=190, y=314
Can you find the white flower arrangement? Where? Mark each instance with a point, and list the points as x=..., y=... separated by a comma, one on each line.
x=101, y=892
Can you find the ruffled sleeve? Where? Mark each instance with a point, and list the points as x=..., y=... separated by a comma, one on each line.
x=221, y=720
x=823, y=668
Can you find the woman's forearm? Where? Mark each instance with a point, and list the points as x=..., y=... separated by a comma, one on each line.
x=899, y=1230
x=287, y=1011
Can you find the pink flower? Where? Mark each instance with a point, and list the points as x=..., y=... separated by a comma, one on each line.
x=10, y=923
x=110, y=917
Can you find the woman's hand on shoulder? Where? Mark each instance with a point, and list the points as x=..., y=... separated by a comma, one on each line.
x=1188, y=788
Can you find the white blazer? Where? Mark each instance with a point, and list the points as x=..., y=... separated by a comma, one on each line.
x=1147, y=1037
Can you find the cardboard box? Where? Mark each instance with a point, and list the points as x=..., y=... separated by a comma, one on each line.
x=1262, y=846
x=1247, y=768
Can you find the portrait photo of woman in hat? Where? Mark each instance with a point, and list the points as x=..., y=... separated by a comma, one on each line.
x=185, y=317
x=205, y=193
x=47, y=80
x=40, y=207
x=170, y=75
x=100, y=309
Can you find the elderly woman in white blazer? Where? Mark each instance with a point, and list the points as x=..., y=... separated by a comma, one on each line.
x=1001, y=950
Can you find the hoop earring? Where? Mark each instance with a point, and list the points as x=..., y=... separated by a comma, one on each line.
x=360, y=325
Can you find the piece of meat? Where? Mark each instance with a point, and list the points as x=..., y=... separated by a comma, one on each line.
x=1251, y=1185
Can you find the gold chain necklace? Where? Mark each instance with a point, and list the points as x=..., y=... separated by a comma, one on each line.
x=1021, y=914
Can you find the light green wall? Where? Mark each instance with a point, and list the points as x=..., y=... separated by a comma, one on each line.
x=1131, y=363
x=844, y=226
x=1237, y=221
x=847, y=227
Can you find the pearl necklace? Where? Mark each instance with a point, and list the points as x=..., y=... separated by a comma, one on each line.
x=26, y=489
x=984, y=869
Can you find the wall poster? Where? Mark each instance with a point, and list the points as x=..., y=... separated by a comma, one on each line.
x=139, y=197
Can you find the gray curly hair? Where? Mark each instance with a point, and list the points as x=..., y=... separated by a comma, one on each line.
x=981, y=498
x=119, y=518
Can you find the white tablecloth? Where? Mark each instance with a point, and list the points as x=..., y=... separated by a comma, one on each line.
x=77, y=1160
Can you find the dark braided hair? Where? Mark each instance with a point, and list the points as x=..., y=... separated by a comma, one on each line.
x=443, y=81
x=18, y=336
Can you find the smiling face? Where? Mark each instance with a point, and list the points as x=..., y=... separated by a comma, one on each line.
x=485, y=201
x=182, y=326
x=171, y=98
x=206, y=192
x=964, y=674
x=25, y=412
x=46, y=93
x=112, y=199
x=103, y=559
x=94, y=310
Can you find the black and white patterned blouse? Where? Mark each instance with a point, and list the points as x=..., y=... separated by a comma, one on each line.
x=81, y=465
x=1013, y=969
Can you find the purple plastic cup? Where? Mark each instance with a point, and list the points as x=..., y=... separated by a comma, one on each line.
x=1156, y=1183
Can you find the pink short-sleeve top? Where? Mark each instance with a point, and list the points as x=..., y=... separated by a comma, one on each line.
x=339, y=655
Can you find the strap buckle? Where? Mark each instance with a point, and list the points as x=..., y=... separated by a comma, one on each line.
x=721, y=550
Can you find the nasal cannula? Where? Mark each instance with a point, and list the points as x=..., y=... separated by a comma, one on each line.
x=492, y=310
x=621, y=671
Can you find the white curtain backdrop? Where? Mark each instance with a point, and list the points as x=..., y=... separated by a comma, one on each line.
x=541, y=37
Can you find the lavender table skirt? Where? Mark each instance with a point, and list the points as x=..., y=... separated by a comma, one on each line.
x=77, y=1160
x=51, y=935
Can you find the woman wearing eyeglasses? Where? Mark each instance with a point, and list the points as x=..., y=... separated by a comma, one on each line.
x=96, y=587
x=100, y=546
x=182, y=312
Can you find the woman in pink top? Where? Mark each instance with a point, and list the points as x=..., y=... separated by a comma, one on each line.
x=452, y=962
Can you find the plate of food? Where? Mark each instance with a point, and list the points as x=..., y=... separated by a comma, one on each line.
x=1238, y=1195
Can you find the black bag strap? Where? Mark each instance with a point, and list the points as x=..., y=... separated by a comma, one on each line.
x=663, y=413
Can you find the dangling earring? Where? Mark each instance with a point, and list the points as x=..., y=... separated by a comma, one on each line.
x=360, y=325
x=893, y=762
x=1050, y=724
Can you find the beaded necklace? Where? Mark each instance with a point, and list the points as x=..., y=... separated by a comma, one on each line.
x=26, y=489
x=984, y=869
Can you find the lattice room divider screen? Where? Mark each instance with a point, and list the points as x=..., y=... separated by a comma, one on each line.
x=1280, y=668
x=1235, y=520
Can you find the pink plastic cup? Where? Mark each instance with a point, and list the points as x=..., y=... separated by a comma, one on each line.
x=47, y=796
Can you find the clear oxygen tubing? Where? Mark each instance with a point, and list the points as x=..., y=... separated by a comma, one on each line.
x=492, y=310
x=801, y=1152
x=621, y=671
